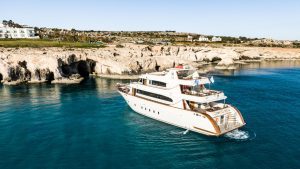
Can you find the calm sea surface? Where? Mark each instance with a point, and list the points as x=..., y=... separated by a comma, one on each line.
x=89, y=125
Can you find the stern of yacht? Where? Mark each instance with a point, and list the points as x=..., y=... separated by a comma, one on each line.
x=228, y=119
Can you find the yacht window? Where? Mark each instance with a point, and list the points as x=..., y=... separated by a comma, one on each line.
x=154, y=95
x=157, y=83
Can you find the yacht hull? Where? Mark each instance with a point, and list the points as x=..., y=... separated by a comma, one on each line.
x=186, y=119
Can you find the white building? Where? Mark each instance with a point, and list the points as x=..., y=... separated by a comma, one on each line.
x=189, y=38
x=216, y=39
x=203, y=39
x=11, y=32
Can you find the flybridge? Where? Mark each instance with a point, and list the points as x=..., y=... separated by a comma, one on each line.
x=182, y=81
x=178, y=75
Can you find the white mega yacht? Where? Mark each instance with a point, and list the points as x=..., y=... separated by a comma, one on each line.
x=179, y=97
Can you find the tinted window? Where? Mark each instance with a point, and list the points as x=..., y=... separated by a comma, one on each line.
x=157, y=96
x=158, y=83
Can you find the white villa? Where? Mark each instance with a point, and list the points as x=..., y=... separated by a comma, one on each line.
x=203, y=39
x=15, y=33
x=216, y=39
x=189, y=38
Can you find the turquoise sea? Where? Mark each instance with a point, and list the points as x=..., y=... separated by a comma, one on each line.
x=89, y=125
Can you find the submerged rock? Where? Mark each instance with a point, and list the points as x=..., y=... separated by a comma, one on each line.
x=226, y=63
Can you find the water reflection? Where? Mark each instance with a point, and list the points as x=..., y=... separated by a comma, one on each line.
x=41, y=93
x=255, y=65
x=107, y=87
x=272, y=64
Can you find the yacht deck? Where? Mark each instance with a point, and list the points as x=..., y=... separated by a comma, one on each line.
x=202, y=93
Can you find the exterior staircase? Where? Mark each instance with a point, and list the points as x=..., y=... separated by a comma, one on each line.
x=230, y=123
x=232, y=118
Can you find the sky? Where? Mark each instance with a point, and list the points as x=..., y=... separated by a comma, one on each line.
x=277, y=19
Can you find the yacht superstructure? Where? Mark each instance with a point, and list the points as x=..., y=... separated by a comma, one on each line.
x=179, y=97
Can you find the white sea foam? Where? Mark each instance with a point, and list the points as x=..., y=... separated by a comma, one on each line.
x=238, y=135
x=179, y=132
x=185, y=132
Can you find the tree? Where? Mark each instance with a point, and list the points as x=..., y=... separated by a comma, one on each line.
x=4, y=22
x=10, y=23
x=36, y=31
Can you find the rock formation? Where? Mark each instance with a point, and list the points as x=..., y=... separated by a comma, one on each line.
x=62, y=65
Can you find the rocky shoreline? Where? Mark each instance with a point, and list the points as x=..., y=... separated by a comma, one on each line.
x=65, y=65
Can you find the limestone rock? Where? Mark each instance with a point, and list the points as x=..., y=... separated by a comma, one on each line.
x=34, y=65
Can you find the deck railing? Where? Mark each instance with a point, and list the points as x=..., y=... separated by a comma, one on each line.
x=203, y=93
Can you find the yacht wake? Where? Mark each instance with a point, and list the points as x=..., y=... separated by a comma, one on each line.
x=233, y=136
x=238, y=135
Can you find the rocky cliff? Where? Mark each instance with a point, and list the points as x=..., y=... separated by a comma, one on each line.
x=62, y=65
